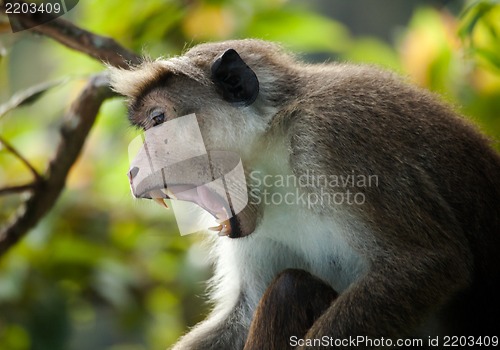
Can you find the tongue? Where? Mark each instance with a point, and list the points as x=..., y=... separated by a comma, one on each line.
x=204, y=196
x=214, y=182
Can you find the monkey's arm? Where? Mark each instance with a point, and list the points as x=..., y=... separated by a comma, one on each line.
x=417, y=254
x=417, y=259
x=388, y=302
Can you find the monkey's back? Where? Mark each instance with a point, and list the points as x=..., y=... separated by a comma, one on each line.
x=436, y=171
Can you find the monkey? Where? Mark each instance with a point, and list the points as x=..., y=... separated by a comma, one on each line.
x=412, y=254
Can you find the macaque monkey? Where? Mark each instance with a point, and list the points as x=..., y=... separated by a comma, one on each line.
x=409, y=237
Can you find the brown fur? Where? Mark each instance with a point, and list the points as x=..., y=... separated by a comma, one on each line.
x=291, y=304
x=429, y=233
x=437, y=207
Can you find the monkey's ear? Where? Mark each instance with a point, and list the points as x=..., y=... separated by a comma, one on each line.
x=236, y=81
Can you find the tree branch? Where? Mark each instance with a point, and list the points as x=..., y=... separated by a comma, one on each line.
x=17, y=189
x=76, y=125
x=99, y=47
x=74, y=130
x=19, y=156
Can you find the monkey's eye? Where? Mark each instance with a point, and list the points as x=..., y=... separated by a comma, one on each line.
x=157, y=117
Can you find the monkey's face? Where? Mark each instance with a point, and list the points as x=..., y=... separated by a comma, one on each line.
x=225, y=95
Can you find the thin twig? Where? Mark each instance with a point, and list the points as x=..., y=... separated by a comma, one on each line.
x=76, y=125
x=23, y=160
x=74, y=130
x=17, y=189
x=29, y=95
x=102, y=48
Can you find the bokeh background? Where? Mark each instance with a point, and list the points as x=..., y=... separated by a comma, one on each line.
x=104, y=271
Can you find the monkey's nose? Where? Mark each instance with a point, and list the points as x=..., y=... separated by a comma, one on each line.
x=132, y=173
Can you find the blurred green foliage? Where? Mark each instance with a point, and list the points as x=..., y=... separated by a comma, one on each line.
x=103, y=271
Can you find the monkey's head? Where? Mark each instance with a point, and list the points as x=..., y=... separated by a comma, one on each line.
x=233, y=87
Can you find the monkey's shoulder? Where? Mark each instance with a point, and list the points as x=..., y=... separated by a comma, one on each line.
x=362, y=105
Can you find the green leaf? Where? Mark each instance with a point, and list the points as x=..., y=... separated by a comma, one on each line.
x=472, y=15
x=490, y=55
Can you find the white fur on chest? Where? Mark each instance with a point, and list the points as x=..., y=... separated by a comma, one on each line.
x=288, y=236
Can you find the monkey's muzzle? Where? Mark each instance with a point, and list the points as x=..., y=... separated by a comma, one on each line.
x=165, y=166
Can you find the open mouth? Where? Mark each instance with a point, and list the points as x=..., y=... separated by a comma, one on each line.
x=170, y=161
x=204, y=198
x=214, y=182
